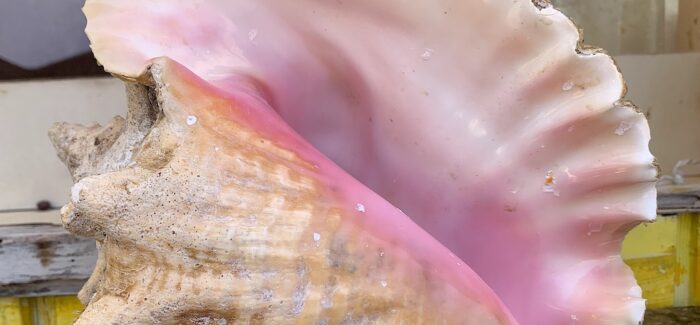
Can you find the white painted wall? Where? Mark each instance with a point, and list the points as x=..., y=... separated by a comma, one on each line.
x=29, y=168
x=668, y=88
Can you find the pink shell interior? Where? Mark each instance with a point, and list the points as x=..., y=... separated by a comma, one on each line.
x=479, y=119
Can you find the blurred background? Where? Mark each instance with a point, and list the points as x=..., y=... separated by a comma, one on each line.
x=48, y=74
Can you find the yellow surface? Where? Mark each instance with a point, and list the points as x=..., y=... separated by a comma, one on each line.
x=58, y=310
x=663, y=256
x=10, y=311
x=650, y=250
x=651, y=239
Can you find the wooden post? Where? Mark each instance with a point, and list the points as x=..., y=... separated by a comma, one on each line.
x=688, y=32
x=40, y=260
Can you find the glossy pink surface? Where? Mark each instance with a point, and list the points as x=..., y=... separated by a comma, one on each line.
x=478, y=119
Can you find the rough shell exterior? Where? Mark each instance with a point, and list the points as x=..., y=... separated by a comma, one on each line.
x=200, y=220
x=485, y=121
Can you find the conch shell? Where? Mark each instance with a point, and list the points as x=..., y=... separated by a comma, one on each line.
x=269, y=146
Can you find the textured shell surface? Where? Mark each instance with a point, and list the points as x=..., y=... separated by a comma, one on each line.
x=357, y=162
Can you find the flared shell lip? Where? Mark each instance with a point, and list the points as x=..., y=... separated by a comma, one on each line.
x=581, y=49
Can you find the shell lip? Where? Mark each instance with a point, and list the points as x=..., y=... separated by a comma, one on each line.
x=581, y=50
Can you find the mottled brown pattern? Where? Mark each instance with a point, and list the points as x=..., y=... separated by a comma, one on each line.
x=45, y=251
x=211, y=223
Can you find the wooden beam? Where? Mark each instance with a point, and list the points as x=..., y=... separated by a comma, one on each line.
x=688, y=32
x=677, y=203
x=43, y=259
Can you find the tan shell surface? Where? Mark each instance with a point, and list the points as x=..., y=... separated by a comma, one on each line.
x=487, y=122
x=210, y=223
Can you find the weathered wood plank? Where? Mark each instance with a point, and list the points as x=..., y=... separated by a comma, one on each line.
x=688, y=32
x=43, y=260
x=676, y=203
